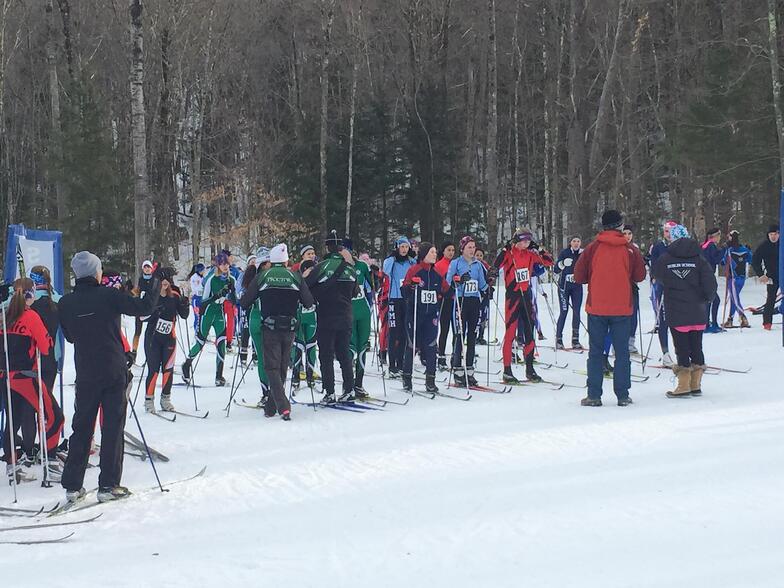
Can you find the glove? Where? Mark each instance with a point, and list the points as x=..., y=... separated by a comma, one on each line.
x=533, y=245
x=465, y=277
x=568, y=262
x=456, y=278
x=492, y=273
x=416, y=280
x=508, y=245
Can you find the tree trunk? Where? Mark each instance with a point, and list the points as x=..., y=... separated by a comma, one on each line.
x=56, y=140
x=352, y=116
x=776, y=81
x=141, y=199
x=65, y=14
x=492, y=135
x=327, y=16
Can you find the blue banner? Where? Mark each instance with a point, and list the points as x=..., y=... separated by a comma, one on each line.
x=26, y=248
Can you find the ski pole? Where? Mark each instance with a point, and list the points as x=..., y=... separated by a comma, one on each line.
x=11, y=430
x=234, y=377
x=463, y=341
x=650, y=341
x=146, y=447
x=45, y=483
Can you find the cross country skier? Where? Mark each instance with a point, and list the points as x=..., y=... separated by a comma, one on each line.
x=255, y=327
x=360, y=329
x=303, y=354
x=195, y=278
x=736, y=259
x=280, y=291
x=484, y=311
x=90, y=319
x=381, y=283
x=160, y=340
x=395, y=268
x=713, y=254
x=142, y=289
x=45, y=305
x=656, y=251
x=689, y=286
x=27, y=337
x=766, y=266
x=246, y=280
x=467, y=275
x=447, y=303
x=570, y=295
x=218, y=285
x=333, y=284
x=306, y=253
x=517, y=260
x=424, y=288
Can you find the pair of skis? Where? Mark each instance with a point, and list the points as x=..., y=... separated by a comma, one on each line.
x=44, y=526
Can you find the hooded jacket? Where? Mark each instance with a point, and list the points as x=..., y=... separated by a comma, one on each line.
x=688, y=281
x=610, y=265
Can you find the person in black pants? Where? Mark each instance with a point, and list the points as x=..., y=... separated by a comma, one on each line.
x=90, y=319
x=689, y=285
x=142, y=289
x=333, y=284
x=160, y=340
x=766, y=265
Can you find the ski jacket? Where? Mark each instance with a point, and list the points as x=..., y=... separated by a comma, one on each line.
x=25, y=336
x=280, y=291
x=712, y=253
x=766, y=260
x=143, y=285
x=217, y=289
x=442, y=266
x=46, y=308
x=689, y=283
x=567, y=259
x=162, y=323
x=396, y=268
x=333, y=285
x=429, y=291
x=519, y=266
x=739, y=258
x=656, y=251
x=90, y=319
x=610, y=266
x=475, y=286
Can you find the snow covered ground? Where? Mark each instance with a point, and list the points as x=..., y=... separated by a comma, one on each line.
x=526, y=489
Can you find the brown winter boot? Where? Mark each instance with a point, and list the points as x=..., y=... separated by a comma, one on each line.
x=744, y=322
x=683, y=389
x=696, y=379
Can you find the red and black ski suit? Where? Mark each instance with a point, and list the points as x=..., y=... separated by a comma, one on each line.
x=160, y=340
x=26, y=336
x=518, y=267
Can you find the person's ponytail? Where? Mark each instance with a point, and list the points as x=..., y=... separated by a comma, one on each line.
x=17, y=304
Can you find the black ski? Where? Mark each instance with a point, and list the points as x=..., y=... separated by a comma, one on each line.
x=188, y=414
x=136, y=442
x=47, y=525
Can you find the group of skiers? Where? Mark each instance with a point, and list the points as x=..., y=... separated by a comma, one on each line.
x=286, y=314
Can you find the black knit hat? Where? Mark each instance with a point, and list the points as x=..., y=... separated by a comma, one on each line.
x=773, y=229
x=713, y=231
x=333, y=239
x=424, y=249
x=612, y=220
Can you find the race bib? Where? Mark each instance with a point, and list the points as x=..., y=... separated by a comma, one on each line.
x=471, y=287
x=570, y=278
x=164, y=327
x=428, y=296
x=522, y=275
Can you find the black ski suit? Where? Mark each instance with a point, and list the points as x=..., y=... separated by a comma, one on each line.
x=160, y=340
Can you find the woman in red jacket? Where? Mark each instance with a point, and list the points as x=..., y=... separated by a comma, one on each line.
x=24, y=336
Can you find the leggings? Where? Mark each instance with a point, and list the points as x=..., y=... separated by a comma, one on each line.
x=24, y=391
x=447, y=310
x=160, y=353
x=571, y=297
x=688, y=348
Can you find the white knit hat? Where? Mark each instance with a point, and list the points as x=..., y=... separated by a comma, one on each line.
x=279, y=254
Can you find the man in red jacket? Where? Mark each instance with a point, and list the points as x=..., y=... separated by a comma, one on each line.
x=610, y=266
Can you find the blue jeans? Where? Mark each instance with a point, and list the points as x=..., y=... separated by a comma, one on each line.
x=619, y=329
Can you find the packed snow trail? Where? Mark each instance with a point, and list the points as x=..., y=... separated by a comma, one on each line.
x=526, y=488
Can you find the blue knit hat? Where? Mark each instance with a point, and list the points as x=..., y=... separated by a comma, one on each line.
x=679, y=232
x=402, y=241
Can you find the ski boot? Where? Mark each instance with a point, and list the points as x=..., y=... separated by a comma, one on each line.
x=408, y=385
x=75, y=495
x=430, y=384
x=442, y=367
x=509, y=377
x=481, y=341
x=559, y=344
x=667, y=360
x=576, y=345
x=262, y=403
x=727, y=324
x=186, y=370
x=220, y=381
x=460, y=379
x=149, y=404
x=360, y=393
x=347, y=396
x=21, y=473
x=530, y=372
x=166, y=403
x=632, y=346
x=54, y=470
x=329, y=398
x=744, y=322
x=472, y=381
x=113, y=493
x=540, y=335
x=394, y=374
x=286, y=416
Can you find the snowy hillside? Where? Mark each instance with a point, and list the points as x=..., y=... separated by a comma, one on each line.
x=524, y=489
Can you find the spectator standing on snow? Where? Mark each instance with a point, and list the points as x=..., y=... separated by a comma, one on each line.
x=766, y=266
x=610, y=266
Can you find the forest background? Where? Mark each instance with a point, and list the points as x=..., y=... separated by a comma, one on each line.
x=183, y=126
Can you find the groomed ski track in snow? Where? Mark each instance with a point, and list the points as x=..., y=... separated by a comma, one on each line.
x=523, y=489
